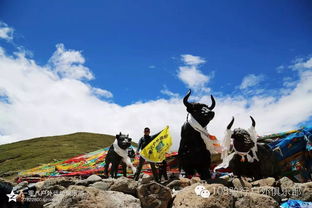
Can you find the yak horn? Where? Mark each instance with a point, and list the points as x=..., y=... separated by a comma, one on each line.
x=231, y=123
x=213, y=104
x=253, y=121
x=186, y=103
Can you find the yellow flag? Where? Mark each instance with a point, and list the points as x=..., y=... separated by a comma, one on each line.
x=156, y=150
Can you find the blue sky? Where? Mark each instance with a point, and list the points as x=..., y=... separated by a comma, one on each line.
x=144, y=51
x=121, y=40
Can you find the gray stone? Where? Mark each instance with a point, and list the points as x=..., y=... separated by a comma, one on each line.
x=125, y=185
x=254, y=200
x=91, y=179
x=50, y=187
x=54, y=188
x=20, y=186
x=154, y=195
x=298, y=191
x=286, y=186
x=241, y=184
x=45, y=194
x=220, y=197
x=179, y=184
x=109, y=180
x=195, y=180
x=285, y=183
x=89, y=197
x=94, y=178
x=146, y=179
x=302, y=191
x=84, y=182
x=102, y=185
x=62, y=181
x=264, y=182
x=273, y=192
x=39, y=185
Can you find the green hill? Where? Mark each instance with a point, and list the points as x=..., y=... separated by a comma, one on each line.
x=33, y=152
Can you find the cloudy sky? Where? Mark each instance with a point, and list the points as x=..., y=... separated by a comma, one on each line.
x=105, y=67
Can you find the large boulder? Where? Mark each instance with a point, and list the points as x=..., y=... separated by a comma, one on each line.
x=21, y=186
x=302, y=191
x=254, y=200
x=299, y=191
x=179, y=184
x=220, y=197
x=62, y=181
x=89, y=197
x=146, y=179
x=94, y=178
x=46, y=190
x=241, y=184
x=102, y=185
x=286, y=186
x=271, y=191
x=195, y=180
x=154, y=195
x=125, y=185
x=222, y=181
x=44, y=193
x=264, y=182
x=91, y=179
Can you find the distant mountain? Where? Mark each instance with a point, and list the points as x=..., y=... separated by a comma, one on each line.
x=33, y=152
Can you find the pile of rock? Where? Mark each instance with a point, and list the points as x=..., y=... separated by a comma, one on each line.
x=96, y=192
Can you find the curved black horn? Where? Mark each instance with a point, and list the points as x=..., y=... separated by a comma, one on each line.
x=253, y=121
x=186, y=103
x=231, y=123
x=213, y=104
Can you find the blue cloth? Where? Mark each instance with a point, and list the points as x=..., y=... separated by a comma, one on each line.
x=296, y=204
x=308, y=138
x=293, y=143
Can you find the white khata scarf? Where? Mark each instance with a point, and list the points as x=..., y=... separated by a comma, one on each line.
x=124, y=154
x=212, y=144
x=226, y=143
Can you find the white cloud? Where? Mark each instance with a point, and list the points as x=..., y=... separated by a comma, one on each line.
x=41, y=102
x=289, y=82
x=102, y=93
x=301, y=64
x=280, y=68
x=6, y=32
x=193, y=78
x=189, y=59
x=167, y=92
x=69, y=64
x=251, y=80
x=191, y=75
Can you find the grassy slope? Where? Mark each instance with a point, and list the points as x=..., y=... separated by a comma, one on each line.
x=31, y=153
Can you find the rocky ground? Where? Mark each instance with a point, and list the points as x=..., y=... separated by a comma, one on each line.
x=96, y=192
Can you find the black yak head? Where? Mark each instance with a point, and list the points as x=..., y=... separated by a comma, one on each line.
x=242, y=140
x=202, y=113
x=123, y=141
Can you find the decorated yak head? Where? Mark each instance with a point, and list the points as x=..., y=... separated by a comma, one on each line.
x=202, y=113
x=243, y=140
x=249, y=159
x=123, y=141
